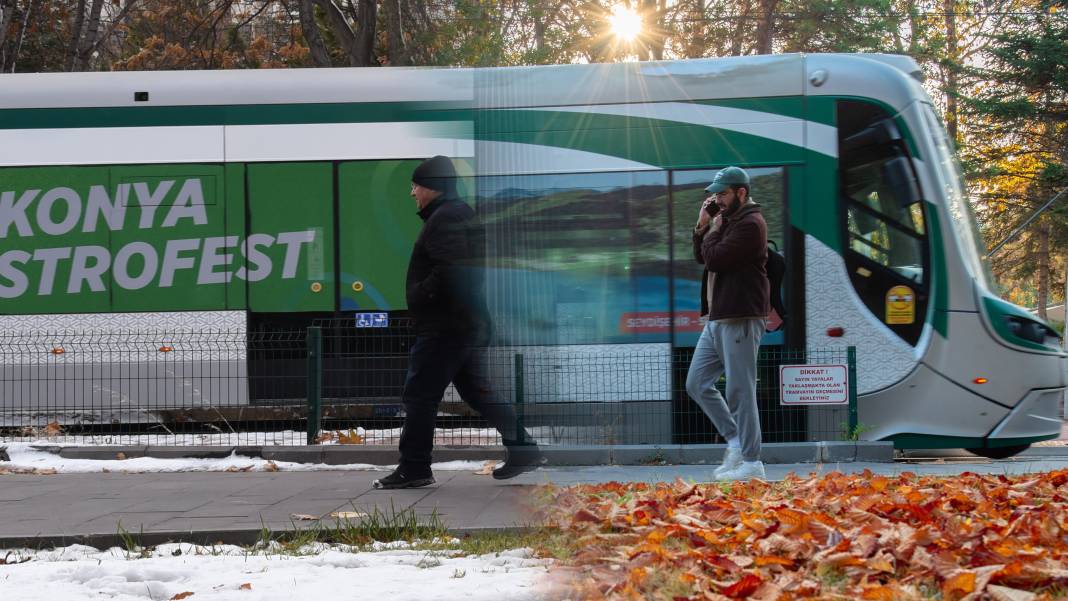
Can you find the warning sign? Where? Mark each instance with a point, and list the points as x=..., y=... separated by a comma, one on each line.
x=900, y=306
x=813, y=385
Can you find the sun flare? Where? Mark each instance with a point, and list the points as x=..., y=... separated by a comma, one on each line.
x=626, y=24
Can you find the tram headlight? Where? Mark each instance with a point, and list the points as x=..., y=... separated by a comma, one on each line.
x=1032, y=331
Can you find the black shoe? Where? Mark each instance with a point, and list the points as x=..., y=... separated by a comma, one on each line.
x=520, y=462
x=399, y=479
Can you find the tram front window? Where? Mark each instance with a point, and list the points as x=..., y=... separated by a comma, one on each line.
x=879, y=227
x=885, y=224
x=973, y=246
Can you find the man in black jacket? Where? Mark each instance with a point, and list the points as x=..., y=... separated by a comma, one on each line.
x=444, y=294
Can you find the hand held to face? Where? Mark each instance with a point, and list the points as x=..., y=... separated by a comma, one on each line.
x=708, y=209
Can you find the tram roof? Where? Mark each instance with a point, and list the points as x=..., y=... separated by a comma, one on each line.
x=657, y=81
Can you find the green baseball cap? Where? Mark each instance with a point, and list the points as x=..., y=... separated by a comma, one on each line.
x=728, y=176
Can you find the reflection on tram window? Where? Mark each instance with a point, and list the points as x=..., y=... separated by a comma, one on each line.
x=880, y=229
x=576, y=258
x=767, y=188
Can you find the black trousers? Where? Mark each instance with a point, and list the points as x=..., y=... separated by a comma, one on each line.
x=436, y=360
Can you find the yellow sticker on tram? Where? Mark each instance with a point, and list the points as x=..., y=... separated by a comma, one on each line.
x=900, y=306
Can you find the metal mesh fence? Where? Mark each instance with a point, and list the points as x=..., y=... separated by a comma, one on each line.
x=253, y=388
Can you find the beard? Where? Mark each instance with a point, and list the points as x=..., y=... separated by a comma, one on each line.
x=731, y=205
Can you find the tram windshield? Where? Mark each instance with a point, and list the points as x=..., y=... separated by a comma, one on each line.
x=965, y=224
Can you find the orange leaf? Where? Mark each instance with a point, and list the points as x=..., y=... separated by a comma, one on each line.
x=1012, y=570
x=349, y=438
x=795, y=520
x=656, y=537
x=246, y=587
x=181, y=596
x=744, y=587
x=881, y=565
x=959, y=585
x=879, y=593
x=771, y=560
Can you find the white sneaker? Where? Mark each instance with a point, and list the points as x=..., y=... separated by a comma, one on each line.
x=731, y=459
x=747, y=470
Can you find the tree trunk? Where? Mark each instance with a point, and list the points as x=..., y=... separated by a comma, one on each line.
x=539, y=32
x=22, y=34
x=765, y=33
x=366, y=21
x=952, y=56
x=342, y=31
x=1043, y=268
x=310, y=30
x=652, y=33
x=75, y=36
x=398, y=47
x=697, y=44
x=7, y=9
x=740, y=29
x=88, y=41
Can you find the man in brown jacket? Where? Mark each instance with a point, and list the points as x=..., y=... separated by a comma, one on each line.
x=731, y=240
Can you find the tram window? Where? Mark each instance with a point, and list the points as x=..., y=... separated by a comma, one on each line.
x=877, y=239
x=864, y=184
x=887, y=254
x=578, y=258
x=768, y=188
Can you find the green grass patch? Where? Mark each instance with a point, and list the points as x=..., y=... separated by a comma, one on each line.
x=422, y=533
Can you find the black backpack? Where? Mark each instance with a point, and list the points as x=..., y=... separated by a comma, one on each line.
x=776, y=268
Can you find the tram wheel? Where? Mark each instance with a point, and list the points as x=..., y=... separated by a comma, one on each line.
x=999, y=452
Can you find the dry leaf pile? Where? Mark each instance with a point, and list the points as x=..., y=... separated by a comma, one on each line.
x=865, y=536
x=33, y=471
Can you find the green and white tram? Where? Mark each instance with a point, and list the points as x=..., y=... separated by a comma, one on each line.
x=264, y=197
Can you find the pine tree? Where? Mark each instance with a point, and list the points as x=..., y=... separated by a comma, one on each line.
x=1023, y=109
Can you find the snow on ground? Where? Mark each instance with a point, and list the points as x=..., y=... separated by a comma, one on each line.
x=223, y=573
x=24, y=458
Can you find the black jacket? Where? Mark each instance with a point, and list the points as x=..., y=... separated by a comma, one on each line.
x=737, y=253
x=444, y=286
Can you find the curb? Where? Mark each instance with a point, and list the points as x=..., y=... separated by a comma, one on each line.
x=1044, y=452
x=704, y=454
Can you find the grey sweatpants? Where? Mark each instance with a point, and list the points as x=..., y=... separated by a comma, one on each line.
x=731, y=347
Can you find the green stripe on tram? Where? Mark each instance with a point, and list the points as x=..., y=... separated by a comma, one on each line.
x=256, y=114
x=664, y=144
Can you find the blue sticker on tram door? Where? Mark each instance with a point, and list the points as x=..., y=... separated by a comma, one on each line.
x=372, y=320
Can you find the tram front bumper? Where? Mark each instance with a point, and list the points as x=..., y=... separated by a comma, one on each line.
x=1036, y=416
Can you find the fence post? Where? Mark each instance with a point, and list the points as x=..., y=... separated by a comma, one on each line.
x=851, y=359
x=519, y=393
x=314, y=341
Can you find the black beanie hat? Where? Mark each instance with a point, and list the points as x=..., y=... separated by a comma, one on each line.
x=436, y=173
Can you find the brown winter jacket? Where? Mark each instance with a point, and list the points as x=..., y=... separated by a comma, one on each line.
x=737, y=253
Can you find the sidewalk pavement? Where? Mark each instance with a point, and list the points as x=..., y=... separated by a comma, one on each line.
x=207, y=507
